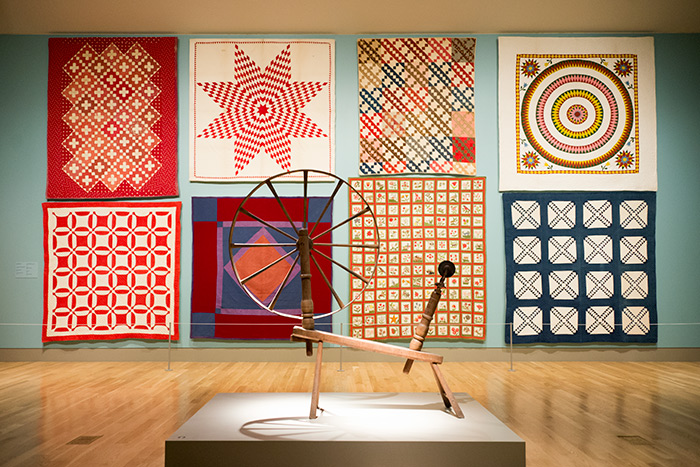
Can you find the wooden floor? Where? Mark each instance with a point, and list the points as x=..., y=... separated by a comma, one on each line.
x=569, y=413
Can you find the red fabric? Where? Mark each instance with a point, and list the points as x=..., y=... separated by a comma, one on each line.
x=254, y=327
x=112, y=117
x=204, y=267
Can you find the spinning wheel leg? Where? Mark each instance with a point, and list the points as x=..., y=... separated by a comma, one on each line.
x=446, y=269
x=447, y=397
x=317, y=381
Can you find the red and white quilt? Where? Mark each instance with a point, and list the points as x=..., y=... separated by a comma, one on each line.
x=112, y=117
x=261, y=107
x=111, y=270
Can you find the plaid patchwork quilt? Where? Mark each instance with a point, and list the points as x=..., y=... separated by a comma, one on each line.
x=417, y=105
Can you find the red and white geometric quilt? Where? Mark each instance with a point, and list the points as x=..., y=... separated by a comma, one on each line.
x=261, y=107
x=112, y=117
x=111, y=270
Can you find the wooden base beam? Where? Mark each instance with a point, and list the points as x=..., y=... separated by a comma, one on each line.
x=300, y=334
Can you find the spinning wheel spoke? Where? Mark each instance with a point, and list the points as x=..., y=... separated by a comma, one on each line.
x=260, y=271
x=338, y=300
x=325, y=208
x=284, y=283
x=309, y=221
x=266, y=224
x=261, y=245
x=305, y=207
x=279, y=201
x=348, y=270
x=355, y=216
x=350, y=245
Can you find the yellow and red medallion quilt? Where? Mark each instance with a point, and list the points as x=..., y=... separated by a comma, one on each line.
x=577, y=114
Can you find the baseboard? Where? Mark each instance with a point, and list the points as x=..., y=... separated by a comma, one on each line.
x=347, y=355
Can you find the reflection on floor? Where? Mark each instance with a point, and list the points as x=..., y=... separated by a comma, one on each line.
x=568, y=413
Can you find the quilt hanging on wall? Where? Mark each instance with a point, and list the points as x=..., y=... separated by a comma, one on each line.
x=417, y=105
x=421, y=223
x=112, y=117
x=577, y=114
x=580, y=267
x=221, y=309
x=260, y=107
x=111, y=270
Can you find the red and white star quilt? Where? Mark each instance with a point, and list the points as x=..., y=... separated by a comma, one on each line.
x=260, y=107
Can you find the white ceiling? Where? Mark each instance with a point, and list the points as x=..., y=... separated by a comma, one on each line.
x=348, y=16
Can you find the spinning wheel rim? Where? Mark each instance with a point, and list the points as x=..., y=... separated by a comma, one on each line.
x=340, y=183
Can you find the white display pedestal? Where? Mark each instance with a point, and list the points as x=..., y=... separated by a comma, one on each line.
x=355, y=429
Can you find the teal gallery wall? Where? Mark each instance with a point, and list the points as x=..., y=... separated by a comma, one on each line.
x=23, y=104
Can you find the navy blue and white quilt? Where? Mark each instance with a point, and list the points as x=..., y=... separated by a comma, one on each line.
x=580, y=267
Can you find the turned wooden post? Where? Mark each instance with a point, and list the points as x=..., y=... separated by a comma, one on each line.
x=307, y=304
x=445, y=269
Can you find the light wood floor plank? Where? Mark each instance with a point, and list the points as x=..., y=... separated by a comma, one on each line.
x=569, y=413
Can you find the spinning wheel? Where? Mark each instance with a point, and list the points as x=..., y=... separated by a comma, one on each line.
x=299, y=242
x=302, y=243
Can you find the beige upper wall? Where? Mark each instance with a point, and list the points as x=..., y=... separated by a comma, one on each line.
x=347, y=16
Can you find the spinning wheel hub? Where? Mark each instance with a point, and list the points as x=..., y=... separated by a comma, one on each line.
x=304, y=238
x=304, y=247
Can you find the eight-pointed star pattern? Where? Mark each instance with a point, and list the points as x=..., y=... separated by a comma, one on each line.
x=262, y=109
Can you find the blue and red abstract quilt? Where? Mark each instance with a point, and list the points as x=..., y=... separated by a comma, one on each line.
x=221, y=309
x=580, y=267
